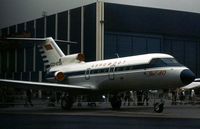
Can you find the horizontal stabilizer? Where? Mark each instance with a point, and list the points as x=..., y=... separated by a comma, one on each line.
x=40, y=39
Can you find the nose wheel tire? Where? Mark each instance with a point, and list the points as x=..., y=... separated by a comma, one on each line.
x=158, y=107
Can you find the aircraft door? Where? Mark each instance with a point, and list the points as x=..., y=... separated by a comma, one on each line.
x=111, y=72
x=87, y=74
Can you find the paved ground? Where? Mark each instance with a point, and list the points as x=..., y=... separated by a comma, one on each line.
x=32, y=121
x=129, y=117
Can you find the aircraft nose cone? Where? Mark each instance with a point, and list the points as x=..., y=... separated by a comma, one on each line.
x=187, y=76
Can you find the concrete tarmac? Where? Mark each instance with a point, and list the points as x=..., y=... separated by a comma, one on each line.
x=100, y=117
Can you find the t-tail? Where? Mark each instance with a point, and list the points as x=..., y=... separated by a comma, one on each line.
x=53, y=56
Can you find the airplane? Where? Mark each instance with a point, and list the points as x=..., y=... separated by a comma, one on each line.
x=112, y=76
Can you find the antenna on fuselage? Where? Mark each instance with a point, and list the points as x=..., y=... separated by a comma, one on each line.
x=117, y=55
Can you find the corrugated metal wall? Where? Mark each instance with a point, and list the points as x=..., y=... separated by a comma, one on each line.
x=186, y=51
x=23, y=61
x=131, y=30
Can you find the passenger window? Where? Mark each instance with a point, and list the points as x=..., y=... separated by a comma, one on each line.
x=105, y=70
x=125, y=68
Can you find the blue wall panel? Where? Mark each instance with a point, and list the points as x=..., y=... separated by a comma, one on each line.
x=190, y=55
x=39, y=34
x=29, y=58
x=30, y=28
x=129, y=44
x=185, y=50
x=12, y=30
x=166, y=46
x=198, y=59
x=50, y=26
x=124, y=45
x=20, y=28
x=178, y=49
x=153, y=45
x=40, y=28
x=75, y=30
x=17, y=76
x=4, y=32
x=4, y=62
x=12, y=60
x=2, y=75
x=62, y=25
x=39, y=61
x=110, y=46
x=139, y=45
x=90, y=32
x=25, y=76
x=132, y=19
x=63, y=47
x=8, y=75
x=34, y=76
x=20, y=59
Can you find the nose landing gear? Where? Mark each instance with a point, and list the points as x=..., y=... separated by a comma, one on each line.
x=158, y=107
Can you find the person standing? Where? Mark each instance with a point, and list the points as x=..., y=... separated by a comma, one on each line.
x=28, y=100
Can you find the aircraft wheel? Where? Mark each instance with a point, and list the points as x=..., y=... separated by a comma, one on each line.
x=66, y=103
x=116, y=102
x=158, y=107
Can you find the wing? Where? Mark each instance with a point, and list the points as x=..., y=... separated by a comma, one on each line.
x=192, y=85
x=42, y=85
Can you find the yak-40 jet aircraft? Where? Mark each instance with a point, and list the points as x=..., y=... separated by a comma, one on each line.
x=74, y=76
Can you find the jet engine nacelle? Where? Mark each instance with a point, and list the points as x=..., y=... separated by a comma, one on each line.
x=74, y=58
x=59, y=76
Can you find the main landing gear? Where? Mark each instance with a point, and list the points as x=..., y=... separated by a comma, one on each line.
x=116, y=102
x=67, y=102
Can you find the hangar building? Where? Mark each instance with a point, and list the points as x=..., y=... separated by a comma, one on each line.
x=102, y=30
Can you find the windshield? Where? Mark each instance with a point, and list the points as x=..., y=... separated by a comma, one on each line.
x=164, y=62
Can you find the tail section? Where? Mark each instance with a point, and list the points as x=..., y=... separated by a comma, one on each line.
x=53, y=56
x=51, y=53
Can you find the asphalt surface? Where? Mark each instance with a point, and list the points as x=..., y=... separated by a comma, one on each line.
x=93, y=122
x=134, y=117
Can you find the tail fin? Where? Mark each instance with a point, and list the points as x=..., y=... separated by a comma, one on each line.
x=51, y=53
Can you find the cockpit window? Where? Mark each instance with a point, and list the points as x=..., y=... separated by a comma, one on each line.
x=164, y=62
x=170, y=61
x=157, y=63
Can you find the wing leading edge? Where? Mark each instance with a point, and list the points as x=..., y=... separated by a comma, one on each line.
x=41, y=85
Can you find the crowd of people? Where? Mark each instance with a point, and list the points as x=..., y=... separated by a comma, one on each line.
x=140, y=97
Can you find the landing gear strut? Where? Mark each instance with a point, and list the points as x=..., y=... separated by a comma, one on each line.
x=116, y=102
x=67, y=102
x=159, y=106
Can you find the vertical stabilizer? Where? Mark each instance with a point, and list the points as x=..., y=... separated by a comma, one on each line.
x=51, y=53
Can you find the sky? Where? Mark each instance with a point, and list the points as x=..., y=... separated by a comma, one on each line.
x=18, y=11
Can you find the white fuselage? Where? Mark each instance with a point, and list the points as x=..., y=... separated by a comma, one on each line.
x=129, y=73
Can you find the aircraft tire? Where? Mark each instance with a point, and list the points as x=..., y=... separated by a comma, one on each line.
x=116, y=103
x=66, y=103
x=158, y=107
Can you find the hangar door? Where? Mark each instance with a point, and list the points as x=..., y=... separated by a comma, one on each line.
x=186, y=51
x=128, y=44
